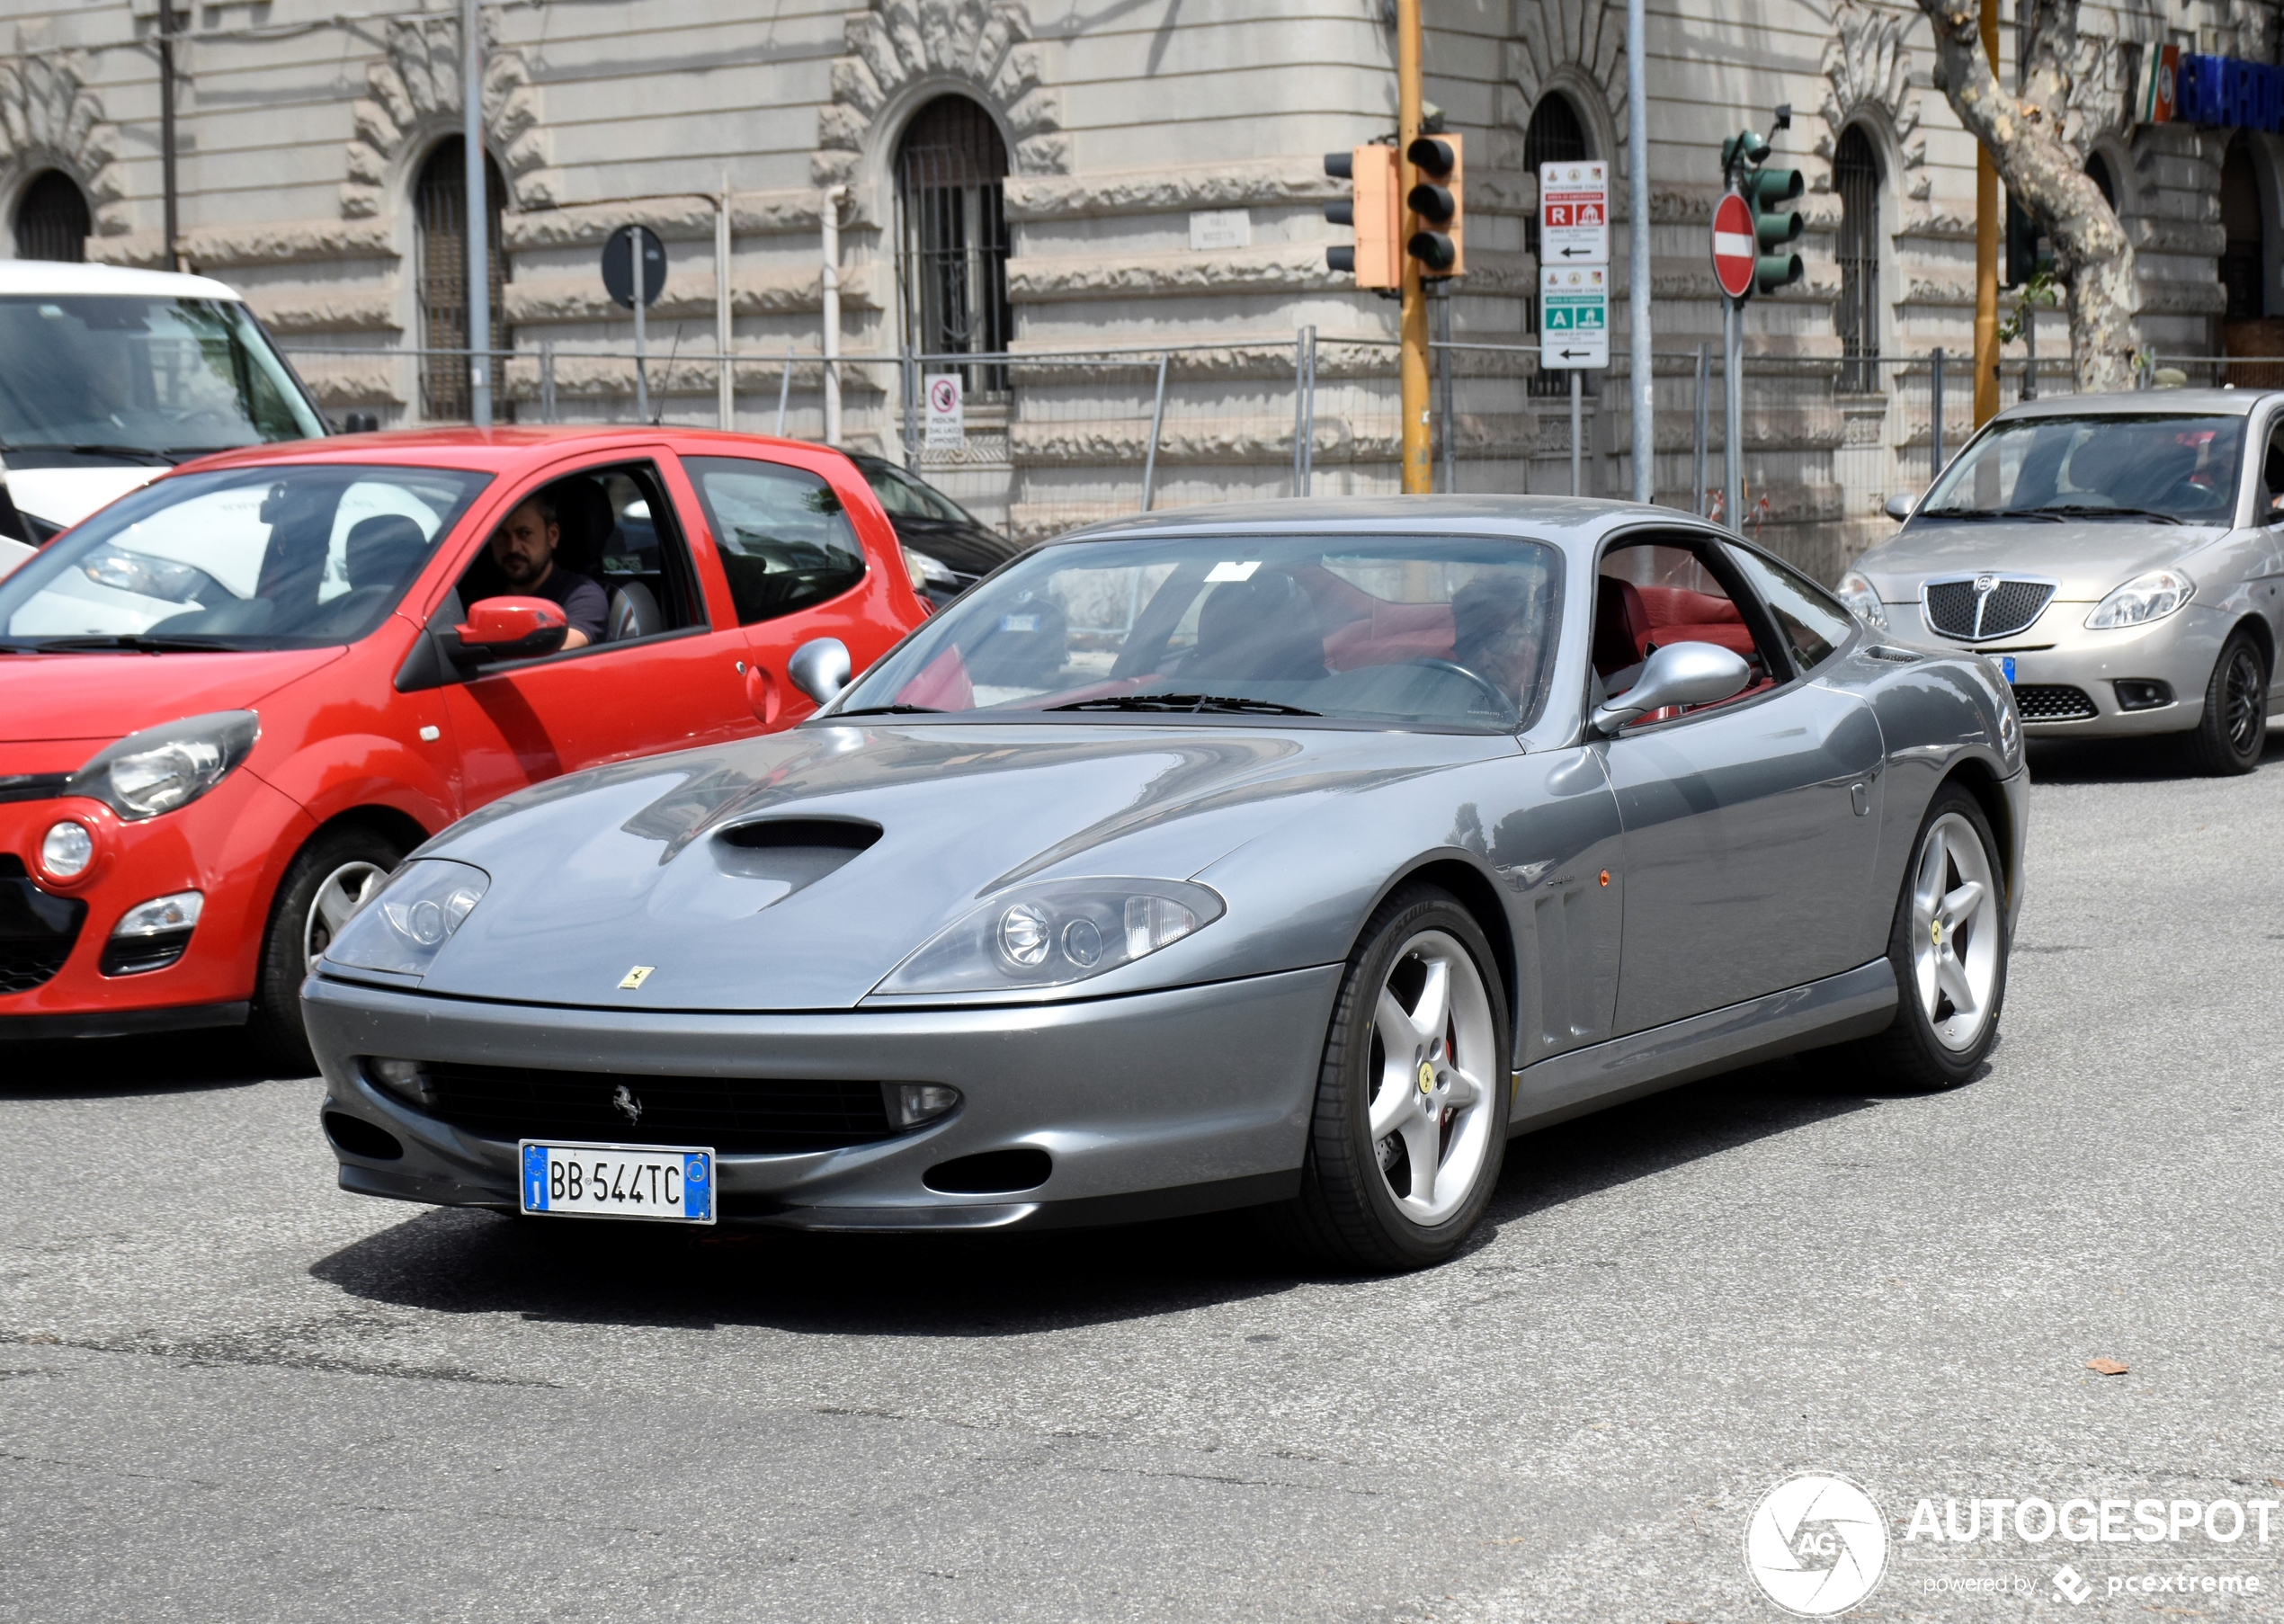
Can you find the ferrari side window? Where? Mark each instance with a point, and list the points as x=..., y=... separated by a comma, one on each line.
x=1813, y=622
x=785, y=542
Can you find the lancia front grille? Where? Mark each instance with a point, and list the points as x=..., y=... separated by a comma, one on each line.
x=1977, y=609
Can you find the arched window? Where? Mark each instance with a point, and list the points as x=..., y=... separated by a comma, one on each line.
x=51, y=220
x=2244, y=220
x=951, y=173
x=439, y=224
x=1855, y=176
x=2098, y=167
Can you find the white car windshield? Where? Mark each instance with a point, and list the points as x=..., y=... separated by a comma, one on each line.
x=267, y=558
x=1438, y=631
x=2169, y=467
x=107, y=375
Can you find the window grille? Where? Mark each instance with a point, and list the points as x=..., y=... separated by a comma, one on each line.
x=439, y=215
x=1855, y=175
x=951, y=172
x=52, y=221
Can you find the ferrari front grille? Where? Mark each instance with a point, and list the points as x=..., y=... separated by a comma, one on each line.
x=2052, y=703
x=751, y=1115
x=1977, y=608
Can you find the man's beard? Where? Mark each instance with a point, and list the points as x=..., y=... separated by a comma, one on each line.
x=520, y=570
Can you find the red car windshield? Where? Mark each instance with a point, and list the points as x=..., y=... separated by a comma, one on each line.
x=271, y=558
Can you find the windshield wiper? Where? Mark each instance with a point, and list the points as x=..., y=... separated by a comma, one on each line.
x=101, y=448
x=888, y=710
x=2094, y=510
x=138, y=643
x=2044, y=516
x=1191, y=702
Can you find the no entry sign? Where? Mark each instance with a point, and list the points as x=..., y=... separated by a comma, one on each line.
x=1736, y=251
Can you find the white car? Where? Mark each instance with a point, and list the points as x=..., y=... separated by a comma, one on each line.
x=109, y=377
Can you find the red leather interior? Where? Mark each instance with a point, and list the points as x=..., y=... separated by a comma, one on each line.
x=1678, y=615
x=1389, y=634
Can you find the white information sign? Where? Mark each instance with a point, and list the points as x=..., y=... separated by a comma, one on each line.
x=1574, y=315
x=946, y=411
x=1574, y=214
x=1211, y=228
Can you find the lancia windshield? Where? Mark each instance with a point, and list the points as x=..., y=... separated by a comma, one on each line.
x=109, y=376
x=270, y=557
x=1445, y=632
x=2160, y=467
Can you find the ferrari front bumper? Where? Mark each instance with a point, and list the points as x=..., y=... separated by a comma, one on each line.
x=1184, y=1099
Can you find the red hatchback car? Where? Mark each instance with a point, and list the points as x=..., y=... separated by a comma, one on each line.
x=234, y=699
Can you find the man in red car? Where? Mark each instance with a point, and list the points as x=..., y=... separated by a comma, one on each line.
x=522, y=551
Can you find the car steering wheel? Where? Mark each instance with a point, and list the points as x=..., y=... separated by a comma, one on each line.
x=1499, y=703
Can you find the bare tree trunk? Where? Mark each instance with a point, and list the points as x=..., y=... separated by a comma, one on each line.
x=2093, y=257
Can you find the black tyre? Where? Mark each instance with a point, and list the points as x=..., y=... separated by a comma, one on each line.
x=330, y=878
x=1410, y=1128
x=2233, y=732
x=1948, y=946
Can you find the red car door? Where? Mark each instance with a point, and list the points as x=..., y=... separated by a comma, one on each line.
x=805, y=552
x=665, y=673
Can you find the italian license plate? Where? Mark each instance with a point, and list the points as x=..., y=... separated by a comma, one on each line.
x=670, y=1183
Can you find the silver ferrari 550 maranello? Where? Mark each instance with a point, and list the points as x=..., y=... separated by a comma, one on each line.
x=1290, y=855
x=2119, y=557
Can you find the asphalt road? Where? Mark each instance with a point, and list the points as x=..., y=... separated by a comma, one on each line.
x=230, y=1392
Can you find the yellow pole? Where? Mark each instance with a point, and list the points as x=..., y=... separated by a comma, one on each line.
x=1418, y=471
x=1987, y=250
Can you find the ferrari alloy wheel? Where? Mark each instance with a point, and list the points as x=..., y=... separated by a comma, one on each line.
x=1948, y=944
x=2233, y=732
x=334, y=876
x=1410, y=1129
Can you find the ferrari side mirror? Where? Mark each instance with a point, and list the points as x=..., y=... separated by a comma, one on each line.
x=819, y=668
x=1678, y=673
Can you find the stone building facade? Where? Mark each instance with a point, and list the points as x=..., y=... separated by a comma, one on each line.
x=1085, y=184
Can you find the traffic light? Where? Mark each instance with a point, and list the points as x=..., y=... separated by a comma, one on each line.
x=1439, y=198
x=1769, y=192
x=1370, y=208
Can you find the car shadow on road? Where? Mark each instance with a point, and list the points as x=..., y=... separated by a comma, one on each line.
x=105, y=1067
x=2161, y=759
x=462, y=1261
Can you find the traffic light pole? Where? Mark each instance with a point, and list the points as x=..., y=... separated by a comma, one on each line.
x=1419, y=468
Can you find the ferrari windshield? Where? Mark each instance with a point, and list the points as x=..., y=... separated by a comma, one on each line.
x=2166, y=468
x=107, y=375
x=1439, y=631
x=265, y=557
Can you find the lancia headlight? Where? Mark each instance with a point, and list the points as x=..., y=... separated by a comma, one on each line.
x=1859, y=594
x=926, y=572
x=160, y=769
x=2143, y=598
x=404, y=927
x=1056, y=932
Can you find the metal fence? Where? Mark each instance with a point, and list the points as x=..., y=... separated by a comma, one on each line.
x=1056, y=438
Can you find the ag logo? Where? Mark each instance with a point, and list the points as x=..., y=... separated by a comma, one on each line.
x=1816, y=1544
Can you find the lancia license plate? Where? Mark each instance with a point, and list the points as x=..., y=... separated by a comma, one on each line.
x=2006, y=663
x=669, y=1183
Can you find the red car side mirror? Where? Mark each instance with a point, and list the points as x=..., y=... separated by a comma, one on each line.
x=513, y=628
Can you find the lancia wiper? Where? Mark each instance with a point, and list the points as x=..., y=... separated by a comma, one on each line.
x=2096, y=509
x=1190, y=703
x=138, y=643
x=2044, y=516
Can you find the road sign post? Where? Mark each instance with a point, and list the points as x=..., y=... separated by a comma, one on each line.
x=635, y=280
x=1736, y=256
x=1573, y=281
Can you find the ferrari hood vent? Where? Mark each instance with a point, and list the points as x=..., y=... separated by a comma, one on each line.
x=795, y=851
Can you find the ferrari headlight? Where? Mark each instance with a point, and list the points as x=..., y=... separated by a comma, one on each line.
x=1055, y=932
x=1859, y=593
x=160, y=769
x=404, y=927
x=2143, y=598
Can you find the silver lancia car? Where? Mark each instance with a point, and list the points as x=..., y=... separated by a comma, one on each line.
x=2120, y=557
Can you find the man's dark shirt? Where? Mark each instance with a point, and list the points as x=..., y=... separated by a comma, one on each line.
x=584, y=604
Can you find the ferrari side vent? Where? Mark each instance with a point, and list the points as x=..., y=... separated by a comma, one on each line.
x=796, y=850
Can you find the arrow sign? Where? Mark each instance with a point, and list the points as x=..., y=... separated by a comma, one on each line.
x=1574, y=213
x=1574, y=315
x=1736, y=249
